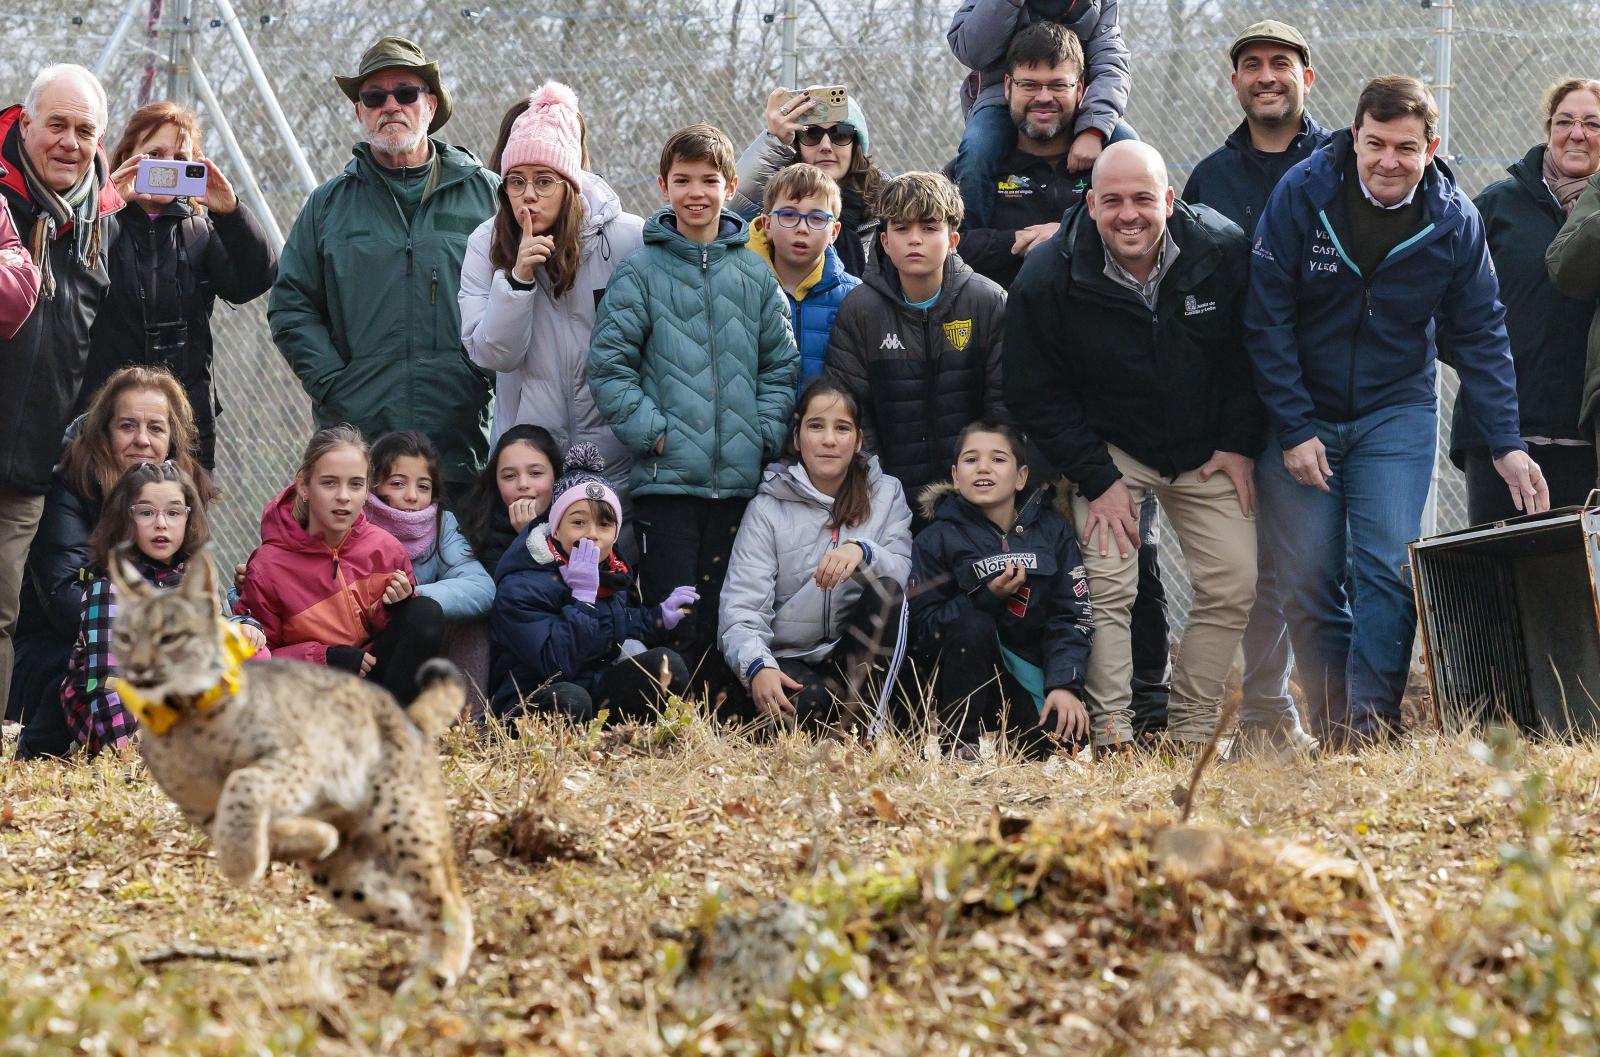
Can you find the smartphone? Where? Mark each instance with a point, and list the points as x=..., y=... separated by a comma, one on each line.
x=184, y=179
x=832, y=105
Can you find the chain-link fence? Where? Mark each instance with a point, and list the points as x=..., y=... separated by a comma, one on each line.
x=644, y=67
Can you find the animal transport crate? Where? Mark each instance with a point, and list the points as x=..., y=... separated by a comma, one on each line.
x=1511, y=622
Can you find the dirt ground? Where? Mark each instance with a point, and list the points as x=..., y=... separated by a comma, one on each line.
x=676, y=890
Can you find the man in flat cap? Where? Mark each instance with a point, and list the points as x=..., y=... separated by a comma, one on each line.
x=364, y=309
x=1272, y=75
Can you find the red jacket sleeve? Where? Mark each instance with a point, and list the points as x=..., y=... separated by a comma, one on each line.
x=19, y=279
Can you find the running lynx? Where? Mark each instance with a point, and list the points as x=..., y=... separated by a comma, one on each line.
x=292, y=762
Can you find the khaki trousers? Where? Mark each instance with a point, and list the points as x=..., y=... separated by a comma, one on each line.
x=1219, y=544
x=19, y=519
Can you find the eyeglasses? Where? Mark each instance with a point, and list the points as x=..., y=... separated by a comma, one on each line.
x=1563, y=125
x=841, y=134
x=1053, y=87
x=544, y=185
x=405, y=95
x=145, y=514
x=816, y=220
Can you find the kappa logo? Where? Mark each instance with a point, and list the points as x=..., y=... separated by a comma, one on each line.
x=1191, y=307
x=959, y=332
x=891, y=341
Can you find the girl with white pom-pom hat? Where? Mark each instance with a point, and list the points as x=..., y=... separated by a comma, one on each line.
x=534, y=274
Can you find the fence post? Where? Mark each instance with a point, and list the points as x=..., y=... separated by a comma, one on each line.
x=242, y=168
x=179, y=44
x=130, y=11
x=1444, y=40
x=791, y=54
x=269, y=98
x=1443, y=44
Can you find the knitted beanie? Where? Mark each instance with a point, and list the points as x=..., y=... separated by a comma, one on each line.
x=582, y=481
x=547, y=133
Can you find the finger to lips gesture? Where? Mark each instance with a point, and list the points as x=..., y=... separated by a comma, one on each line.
x=533, y=250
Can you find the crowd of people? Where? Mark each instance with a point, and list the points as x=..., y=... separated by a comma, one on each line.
x=819, y=443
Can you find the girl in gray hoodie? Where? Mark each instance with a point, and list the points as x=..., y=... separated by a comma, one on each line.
x=811, y=607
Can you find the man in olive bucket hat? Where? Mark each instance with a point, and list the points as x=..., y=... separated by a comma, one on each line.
x=364, y=309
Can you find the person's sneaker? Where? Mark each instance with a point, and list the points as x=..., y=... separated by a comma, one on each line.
x=1273, y=742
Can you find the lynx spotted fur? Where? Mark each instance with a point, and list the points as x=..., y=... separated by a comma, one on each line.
x=293, y=762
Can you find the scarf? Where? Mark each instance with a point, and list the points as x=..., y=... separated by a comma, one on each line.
x=79, y=207
x=1565, y=188
x=417, y=530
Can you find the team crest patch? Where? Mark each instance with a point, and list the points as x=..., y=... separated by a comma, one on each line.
x=959, y=333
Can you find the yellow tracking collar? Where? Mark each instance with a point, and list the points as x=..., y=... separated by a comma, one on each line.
x=158, y=717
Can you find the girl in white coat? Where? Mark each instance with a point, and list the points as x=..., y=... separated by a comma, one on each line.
x=534, y=273
x=811, y=606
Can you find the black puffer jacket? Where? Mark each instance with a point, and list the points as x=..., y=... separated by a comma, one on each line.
x=1088, y=365
x=53, y=586
x=1549, y=331
x=921, y=374
x=182, y=261
x=961, y=550
x=44, y=361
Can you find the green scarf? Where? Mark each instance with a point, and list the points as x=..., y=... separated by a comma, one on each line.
x=79, y=207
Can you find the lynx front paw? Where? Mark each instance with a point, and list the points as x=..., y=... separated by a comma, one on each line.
x=243, y=863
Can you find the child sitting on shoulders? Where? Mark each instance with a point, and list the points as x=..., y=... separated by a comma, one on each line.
x=999, y=591
x=562, y=611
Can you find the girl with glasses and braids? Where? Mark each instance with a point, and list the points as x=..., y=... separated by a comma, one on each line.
x=840, y=150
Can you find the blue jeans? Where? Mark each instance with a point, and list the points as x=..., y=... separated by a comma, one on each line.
x=1355, y=646
x=1268, y=659
x=987, y=140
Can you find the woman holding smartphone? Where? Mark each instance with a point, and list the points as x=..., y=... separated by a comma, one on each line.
x=172, y=259
x=838, y=147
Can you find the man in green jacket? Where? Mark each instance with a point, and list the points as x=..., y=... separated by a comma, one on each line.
x=364, y=309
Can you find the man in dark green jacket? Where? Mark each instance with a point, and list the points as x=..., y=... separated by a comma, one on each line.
x=364, y=309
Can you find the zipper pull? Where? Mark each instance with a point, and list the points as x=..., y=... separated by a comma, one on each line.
x=408, y=254
x=705, y=259
x=336, y=568
x=433, y=288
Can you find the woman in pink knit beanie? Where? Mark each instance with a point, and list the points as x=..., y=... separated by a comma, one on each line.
x=535, y=272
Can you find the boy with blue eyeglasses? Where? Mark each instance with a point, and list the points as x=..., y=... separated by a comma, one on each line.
x=795, y=234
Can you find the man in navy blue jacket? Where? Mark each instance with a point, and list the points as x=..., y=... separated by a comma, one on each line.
x=1271, y=76
x=1366, y=252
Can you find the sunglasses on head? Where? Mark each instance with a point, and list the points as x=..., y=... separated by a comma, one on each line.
x=841, y=134
x=405, y=95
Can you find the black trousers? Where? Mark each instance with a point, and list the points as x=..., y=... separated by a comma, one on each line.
x=686, y=540
x=1152, y=653
x=412, y=637
x=843, y=688
x=1569, y=470
x=977, y=695
x=630, y=689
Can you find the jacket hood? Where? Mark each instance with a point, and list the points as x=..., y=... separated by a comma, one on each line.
x=1325, y=172
x=940, y=501
x=788, y=481
x=885, y=279
x=828, y=273
x=11, y=176
x=531, y=551
x=280, y=529
x=662, y=229
x=1528, y=171
x=601, y=205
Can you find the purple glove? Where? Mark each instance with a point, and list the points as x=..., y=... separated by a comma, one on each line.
x=675, y=608
x=582, y=571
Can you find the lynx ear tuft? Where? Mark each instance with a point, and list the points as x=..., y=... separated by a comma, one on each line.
x=200, y=581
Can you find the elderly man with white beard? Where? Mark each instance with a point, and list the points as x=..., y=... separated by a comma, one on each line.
x=365, y=308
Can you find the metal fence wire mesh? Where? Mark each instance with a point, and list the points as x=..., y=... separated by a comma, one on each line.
x=645, y=67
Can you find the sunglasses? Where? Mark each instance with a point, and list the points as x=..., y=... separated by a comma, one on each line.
x=405, y=95
x=841, y=134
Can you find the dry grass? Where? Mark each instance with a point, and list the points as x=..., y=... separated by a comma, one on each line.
x=676, y=890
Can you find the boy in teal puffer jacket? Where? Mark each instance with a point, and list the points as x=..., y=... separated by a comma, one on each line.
x=692, y=362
